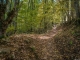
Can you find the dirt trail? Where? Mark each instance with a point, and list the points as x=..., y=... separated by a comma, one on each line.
x=50, y=34
x=32, y=47
x=44, y=44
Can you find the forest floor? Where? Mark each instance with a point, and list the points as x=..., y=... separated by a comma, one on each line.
x=35, y=47
x=31, y=46
x=45, y=36
x=42, y=44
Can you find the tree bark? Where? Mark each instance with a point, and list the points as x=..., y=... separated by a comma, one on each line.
x=5, y=22
x=76, y=7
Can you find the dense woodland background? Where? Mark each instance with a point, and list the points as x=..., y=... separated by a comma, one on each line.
x=53, y=23
x=36, y=16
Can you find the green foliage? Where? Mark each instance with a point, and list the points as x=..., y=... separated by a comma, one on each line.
x=27, y=41
x=33, y=18
x=27, y=21
x=32, y=48
x=38, y=17
x=10, y=30
x=71, y=42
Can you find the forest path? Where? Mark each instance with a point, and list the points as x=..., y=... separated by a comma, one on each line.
x=43, y=44
x=50, y=34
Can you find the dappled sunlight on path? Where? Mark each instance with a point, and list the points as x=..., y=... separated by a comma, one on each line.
x=43, y=44
x=48, y=35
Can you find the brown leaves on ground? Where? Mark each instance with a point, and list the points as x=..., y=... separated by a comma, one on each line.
x=30, y=47
x=68, y=45
x=41, y=47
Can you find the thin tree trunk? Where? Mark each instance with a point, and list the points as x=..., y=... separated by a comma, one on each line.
x=76, y=7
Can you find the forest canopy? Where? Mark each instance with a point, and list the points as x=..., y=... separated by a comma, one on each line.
x=36, y=16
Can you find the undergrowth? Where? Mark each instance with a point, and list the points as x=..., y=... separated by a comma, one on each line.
x=68, y=42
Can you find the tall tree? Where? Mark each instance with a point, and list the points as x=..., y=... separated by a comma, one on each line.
x=7, y=13
x=76, y=6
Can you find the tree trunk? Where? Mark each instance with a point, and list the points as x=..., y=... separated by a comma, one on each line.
x=76, y=7
x=5, y=22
